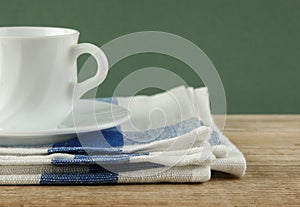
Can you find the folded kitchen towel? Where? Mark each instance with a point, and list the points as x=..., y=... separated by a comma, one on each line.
x=168, y=139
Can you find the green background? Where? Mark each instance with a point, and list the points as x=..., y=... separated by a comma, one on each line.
x=254, y=44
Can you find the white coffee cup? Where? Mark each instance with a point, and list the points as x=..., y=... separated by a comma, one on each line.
x=38, y=76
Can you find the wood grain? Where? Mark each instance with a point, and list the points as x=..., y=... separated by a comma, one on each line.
x=270, y=143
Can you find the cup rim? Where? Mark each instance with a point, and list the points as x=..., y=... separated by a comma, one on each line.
x=53, y=32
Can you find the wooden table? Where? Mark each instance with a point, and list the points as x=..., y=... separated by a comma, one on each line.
x=271, y=144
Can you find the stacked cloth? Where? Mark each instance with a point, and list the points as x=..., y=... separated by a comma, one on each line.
x=170, y=137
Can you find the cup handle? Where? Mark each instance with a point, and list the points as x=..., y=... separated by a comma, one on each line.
x=102, y=68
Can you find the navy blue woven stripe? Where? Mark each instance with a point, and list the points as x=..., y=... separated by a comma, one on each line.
x=71, y=143
x=104, y=141
x=113, y=136
x=104, y=177
x=86, y=150
x=107, y=140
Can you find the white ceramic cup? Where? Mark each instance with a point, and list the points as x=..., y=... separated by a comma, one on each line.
x=38, y=76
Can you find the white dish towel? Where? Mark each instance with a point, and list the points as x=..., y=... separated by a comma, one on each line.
x=171, y=137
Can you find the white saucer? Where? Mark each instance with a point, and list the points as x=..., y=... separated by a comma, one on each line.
x=87, y=116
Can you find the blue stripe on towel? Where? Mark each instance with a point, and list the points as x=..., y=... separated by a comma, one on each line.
x=112, y=140
x=107, y=140
x=175, y=130
x=214, y=139
x=86, y=150
x=105, y=177
x=96, y=175
x=104, y=141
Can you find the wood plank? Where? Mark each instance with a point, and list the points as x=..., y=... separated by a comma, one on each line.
x=270, y=143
